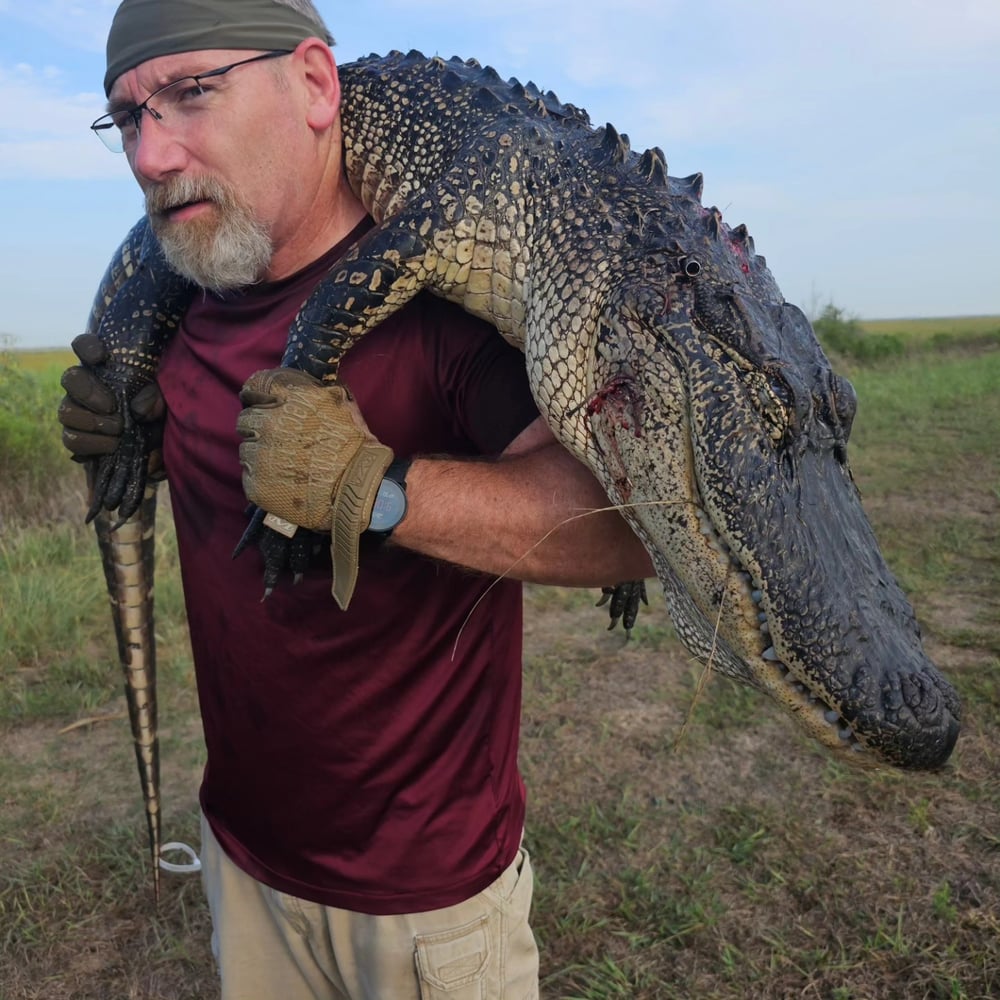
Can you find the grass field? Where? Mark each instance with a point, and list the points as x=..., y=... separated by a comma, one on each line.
x=685, y=846
x=948, y=329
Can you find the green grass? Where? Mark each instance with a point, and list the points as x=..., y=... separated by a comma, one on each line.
x=924, y=452
x=30, y=451
x=937, y=331
x=740, y=862
x=873, y=341
x=951, y=404
x=50, y=363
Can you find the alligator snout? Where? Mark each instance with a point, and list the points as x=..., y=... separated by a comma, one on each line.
x=911, y=720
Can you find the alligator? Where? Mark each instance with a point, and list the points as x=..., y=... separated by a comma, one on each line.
x=659, y=350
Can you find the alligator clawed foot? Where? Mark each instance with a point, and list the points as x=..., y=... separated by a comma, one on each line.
x=624, y=603
x=281, y=554
x=119, y=479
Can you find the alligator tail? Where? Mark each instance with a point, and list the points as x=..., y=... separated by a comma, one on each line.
x=127, y=554
x=137, y=308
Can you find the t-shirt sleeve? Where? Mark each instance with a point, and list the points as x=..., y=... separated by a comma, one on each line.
x=485, y=378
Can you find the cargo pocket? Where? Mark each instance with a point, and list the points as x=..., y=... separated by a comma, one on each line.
x=452, y=965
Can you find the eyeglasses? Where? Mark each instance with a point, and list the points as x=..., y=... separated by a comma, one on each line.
x=184, y=98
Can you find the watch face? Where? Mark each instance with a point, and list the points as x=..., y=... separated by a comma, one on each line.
x=390, y=506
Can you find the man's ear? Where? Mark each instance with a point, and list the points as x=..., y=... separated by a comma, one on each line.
x=319, y=71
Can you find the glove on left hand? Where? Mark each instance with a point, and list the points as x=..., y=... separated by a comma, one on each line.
x=88, y=412
x=308, y=457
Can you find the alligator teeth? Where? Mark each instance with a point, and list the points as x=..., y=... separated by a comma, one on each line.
x=828, y=715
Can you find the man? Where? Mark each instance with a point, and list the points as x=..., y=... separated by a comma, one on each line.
x=362, y=807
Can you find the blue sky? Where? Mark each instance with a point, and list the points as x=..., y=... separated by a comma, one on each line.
x=858, y=140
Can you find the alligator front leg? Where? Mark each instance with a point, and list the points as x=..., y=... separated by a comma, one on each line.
x=138, y=309
x=377, y=277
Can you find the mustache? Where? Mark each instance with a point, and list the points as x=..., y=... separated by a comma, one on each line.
x=177, y=191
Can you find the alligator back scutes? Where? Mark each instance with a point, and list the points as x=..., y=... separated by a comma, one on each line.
x=467, y=98
x=466, y=76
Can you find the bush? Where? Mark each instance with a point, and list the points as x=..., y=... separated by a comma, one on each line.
x=844, y=335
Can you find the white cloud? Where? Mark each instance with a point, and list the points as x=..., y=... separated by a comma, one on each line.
x=44, y=133
x=78, y=24
x=58, y=159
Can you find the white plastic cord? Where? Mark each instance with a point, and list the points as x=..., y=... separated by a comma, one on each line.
x=189, y=868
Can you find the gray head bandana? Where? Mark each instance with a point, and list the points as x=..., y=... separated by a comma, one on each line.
x=145, y=29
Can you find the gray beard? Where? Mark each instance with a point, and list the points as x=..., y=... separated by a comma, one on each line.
x=224, y=252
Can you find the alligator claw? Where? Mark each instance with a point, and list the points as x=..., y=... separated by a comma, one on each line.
x=120, y=478
x=624, y=603
x=253, y=530
x=280, y=554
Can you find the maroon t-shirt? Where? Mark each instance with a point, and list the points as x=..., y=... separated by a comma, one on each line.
x=364, y=759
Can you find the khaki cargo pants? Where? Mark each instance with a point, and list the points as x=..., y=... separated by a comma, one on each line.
x=271, y=946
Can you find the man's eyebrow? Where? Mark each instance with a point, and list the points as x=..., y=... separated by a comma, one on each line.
x=123, y=104
x=120, y=104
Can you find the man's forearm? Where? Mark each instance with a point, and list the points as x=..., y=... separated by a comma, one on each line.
x=536, y=517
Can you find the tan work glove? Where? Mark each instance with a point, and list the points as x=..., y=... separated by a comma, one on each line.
x=309, y=458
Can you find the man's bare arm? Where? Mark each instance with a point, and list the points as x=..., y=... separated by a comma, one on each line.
x=520, y=516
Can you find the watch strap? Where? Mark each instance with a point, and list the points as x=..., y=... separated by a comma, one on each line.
x=398, y=468
x=396, y=471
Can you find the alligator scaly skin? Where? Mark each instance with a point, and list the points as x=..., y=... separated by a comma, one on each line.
x=127, y=554
x=660, y=351
x=134, y=330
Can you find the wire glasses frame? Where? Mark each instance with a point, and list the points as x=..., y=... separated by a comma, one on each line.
x=116, y=128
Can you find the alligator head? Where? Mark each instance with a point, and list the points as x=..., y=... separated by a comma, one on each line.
x=722, y=430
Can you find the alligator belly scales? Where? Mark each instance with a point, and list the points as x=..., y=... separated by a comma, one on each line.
x=659, y=350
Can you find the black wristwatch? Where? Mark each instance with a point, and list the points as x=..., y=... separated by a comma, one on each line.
x=390, y=501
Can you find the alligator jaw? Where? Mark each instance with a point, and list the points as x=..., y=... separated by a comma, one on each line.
x=739, y=638
x=738, y=622
x=814, y=714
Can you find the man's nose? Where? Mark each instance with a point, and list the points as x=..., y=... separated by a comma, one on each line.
x=158, y=150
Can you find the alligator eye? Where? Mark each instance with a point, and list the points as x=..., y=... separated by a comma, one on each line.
x=845, y=402
x=690, y=267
